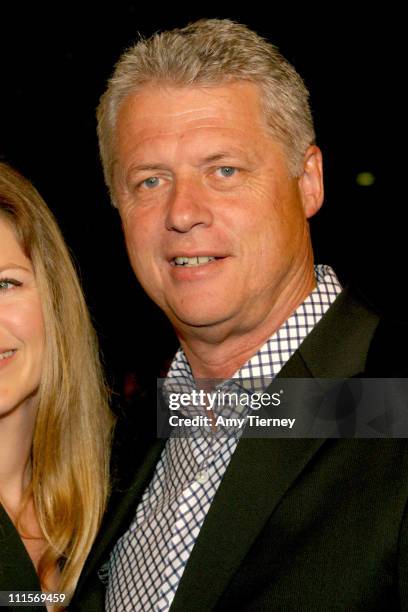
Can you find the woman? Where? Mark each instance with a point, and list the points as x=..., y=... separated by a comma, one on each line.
x=55, y=424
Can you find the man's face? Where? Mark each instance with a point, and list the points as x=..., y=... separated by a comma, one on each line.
x=215, y=225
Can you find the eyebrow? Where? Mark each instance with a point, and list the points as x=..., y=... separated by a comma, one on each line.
x=206, y=160
x=146, y=167
x=222, y=155
x=13, y=266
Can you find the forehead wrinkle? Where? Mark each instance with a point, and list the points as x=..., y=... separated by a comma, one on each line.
x=225, y=140
x=144, y=133
x=167, y=115
x=200, y=112
x=162, y=119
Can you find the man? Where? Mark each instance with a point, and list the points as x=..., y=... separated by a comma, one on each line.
x=208, y=150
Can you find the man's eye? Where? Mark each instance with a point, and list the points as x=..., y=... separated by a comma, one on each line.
x=9, y=283
x=227, y=171
x=151, y=182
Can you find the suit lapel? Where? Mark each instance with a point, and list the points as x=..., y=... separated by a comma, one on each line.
x=262, y=470
x=338, y=346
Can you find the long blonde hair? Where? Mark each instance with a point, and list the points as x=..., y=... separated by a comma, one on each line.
x=71, y=441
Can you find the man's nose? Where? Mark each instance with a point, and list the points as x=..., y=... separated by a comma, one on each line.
x=188, y=206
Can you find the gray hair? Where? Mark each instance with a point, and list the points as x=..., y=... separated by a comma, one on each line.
x=211, y=52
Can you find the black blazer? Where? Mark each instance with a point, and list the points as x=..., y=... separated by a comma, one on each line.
x=17, y=572
x=296, y=524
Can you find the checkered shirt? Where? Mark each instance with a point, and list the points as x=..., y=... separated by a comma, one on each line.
x=147, y=563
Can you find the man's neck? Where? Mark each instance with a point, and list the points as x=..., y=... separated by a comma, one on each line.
x=219, y=353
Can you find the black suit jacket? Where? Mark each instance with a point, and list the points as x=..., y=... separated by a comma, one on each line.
x=296, y=524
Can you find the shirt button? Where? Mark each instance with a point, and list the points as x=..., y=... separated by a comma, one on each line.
x=202, y=476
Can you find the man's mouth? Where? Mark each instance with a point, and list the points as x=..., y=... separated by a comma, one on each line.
x=193, y=261
x=7, y=354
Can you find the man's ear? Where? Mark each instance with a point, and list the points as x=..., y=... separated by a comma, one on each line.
x=311, y=181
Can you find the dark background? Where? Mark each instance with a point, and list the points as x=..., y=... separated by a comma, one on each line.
x=54, y=64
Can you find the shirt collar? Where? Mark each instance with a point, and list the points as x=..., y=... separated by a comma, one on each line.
x=262, y=367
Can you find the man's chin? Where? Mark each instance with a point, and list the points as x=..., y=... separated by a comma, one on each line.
x=196, y=319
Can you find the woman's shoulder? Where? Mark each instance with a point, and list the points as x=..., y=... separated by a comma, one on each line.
x=17, y=571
